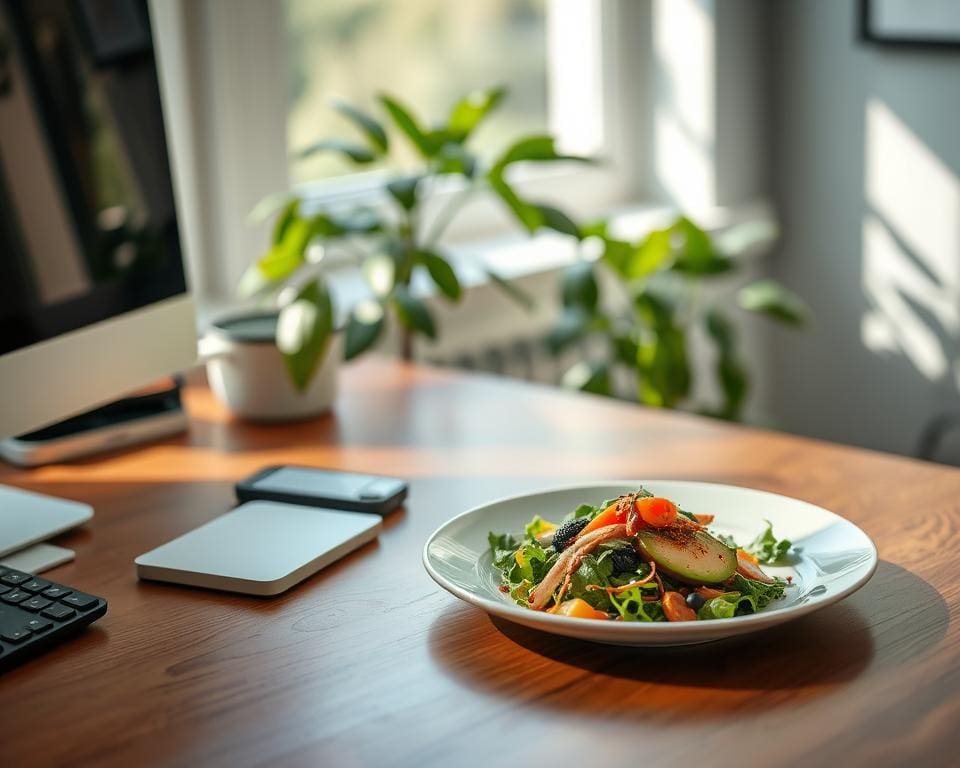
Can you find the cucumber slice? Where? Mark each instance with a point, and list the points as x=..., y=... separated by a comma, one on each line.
x=688, y=555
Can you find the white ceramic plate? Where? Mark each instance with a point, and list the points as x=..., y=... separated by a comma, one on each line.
x=831, y=558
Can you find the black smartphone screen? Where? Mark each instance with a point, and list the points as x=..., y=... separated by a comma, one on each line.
x=320, y=487
x=304, y=481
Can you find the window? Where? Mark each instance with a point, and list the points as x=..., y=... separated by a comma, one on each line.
x=427, y=53
x=558, y=58
x=254, y=80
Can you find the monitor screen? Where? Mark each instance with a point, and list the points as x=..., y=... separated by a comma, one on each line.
x=88, y=227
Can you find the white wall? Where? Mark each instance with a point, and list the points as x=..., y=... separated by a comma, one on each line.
x=864, y=171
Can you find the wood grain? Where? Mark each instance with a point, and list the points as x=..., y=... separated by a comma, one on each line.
x=369, y=663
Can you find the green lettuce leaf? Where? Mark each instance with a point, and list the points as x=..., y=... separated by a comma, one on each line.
x=762, y=594
x=537, y=526
x=727, y=605
x=594, y=569
x=504, y=548
x=521, y=573
x=632, y=607
x=767, y=548
x=726, y=539
x=521, y=592
x=584, y=510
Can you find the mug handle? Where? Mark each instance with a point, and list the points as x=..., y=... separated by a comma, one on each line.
x=212, y=346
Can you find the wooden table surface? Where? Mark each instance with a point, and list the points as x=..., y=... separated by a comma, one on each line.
x=370, y=663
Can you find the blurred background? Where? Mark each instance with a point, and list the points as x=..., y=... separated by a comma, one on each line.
x=815, y=141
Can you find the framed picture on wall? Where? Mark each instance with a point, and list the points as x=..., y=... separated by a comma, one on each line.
x=916, y=23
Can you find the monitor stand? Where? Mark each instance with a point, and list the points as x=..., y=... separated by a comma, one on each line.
x=140, y=418
x=28, y=518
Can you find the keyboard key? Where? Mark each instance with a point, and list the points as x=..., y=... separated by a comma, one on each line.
x=35, y=604
x=39, y=625
x=56, y=592
x=15, y=635
x=16, y=596
x=58, y=612
x=15, y=577
x=35, y=585
x=4, y=589
x=80, y=600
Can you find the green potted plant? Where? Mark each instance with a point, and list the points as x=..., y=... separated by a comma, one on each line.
x=663, y=282
x=392, y=242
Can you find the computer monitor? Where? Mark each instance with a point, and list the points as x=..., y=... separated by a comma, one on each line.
x=93, y=297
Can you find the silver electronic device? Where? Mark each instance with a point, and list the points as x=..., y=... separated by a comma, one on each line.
x=260, y=548
x=93, y=297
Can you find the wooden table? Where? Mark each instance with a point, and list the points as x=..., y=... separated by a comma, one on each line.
x=370, y=663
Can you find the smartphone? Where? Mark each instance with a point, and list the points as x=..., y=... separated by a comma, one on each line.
x=324, y=488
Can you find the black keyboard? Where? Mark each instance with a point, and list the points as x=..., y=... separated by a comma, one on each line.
x=36, y=614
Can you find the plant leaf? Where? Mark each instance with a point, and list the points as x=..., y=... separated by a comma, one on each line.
x=376, y=136
x=324, y=225
x=528, y=215
x=413, y=313
x=579, y=287
x=770, y=298
x=364, y=327
x=510, y=289
x=557, y=220
x=650, y=255
x=441, y=273
x=589, y=377
x=304, y=328
x=287, y=215
x=720, y=329
x=467, y=113
x=662, y=363
x=540, y=148
x=404, y=191
x=595, y=229
x=730, y=372
x=285, y=257
x=427, y=143
x=617, y=254
x=697, y=254
x=358, y=154
x=571, y=327
x=625, y=349
x=454, y=158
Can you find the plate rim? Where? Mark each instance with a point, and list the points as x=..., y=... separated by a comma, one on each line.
x=634, y=629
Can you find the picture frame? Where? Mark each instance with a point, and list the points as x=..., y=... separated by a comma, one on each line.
x=910, y=23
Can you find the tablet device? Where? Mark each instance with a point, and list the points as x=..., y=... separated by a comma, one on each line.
x=260, y=548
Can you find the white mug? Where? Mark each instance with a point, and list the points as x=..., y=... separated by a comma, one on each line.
x=248, y=375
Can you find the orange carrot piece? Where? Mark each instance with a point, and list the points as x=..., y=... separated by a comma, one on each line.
x=675, y=608
x=578, y=608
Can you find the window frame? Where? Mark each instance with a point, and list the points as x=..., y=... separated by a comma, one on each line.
x=591, y=190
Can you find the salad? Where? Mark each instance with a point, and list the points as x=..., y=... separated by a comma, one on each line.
x=637, y=558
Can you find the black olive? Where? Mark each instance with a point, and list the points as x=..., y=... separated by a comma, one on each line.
x=695, y=601
x=564, y=535
x=625, y=559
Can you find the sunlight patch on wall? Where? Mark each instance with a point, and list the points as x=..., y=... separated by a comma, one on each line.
x=911, y=245
x=890, y=278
